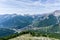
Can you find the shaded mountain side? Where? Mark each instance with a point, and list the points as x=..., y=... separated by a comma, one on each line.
x=22, y=21
x=37, y=24
x=6, y=32
x=17, y=21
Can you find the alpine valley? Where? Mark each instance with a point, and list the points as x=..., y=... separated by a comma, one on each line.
x=11, y=24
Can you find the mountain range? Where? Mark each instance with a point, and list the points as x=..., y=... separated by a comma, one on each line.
x=49, y=22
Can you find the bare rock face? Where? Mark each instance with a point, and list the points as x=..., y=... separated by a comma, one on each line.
x=57, y=13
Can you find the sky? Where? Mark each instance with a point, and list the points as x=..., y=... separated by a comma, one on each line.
x=28, y=6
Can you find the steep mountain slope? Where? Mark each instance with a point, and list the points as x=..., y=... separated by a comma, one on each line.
x=16, y=21
x=46, y=23
x=51, y=20
x=6, y=32
x=30, y=21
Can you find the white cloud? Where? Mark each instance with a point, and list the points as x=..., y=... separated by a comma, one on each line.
x=28, y=6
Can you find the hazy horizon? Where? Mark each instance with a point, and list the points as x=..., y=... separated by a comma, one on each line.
x=28, y=6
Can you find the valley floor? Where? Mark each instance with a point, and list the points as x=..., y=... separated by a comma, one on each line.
x=29, y=37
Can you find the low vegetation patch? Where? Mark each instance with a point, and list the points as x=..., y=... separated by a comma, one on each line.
x=33, y=33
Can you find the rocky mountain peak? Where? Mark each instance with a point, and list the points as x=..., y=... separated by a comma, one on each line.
x=57, y=13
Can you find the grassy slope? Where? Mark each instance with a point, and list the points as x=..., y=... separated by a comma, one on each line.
x=30, y=37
